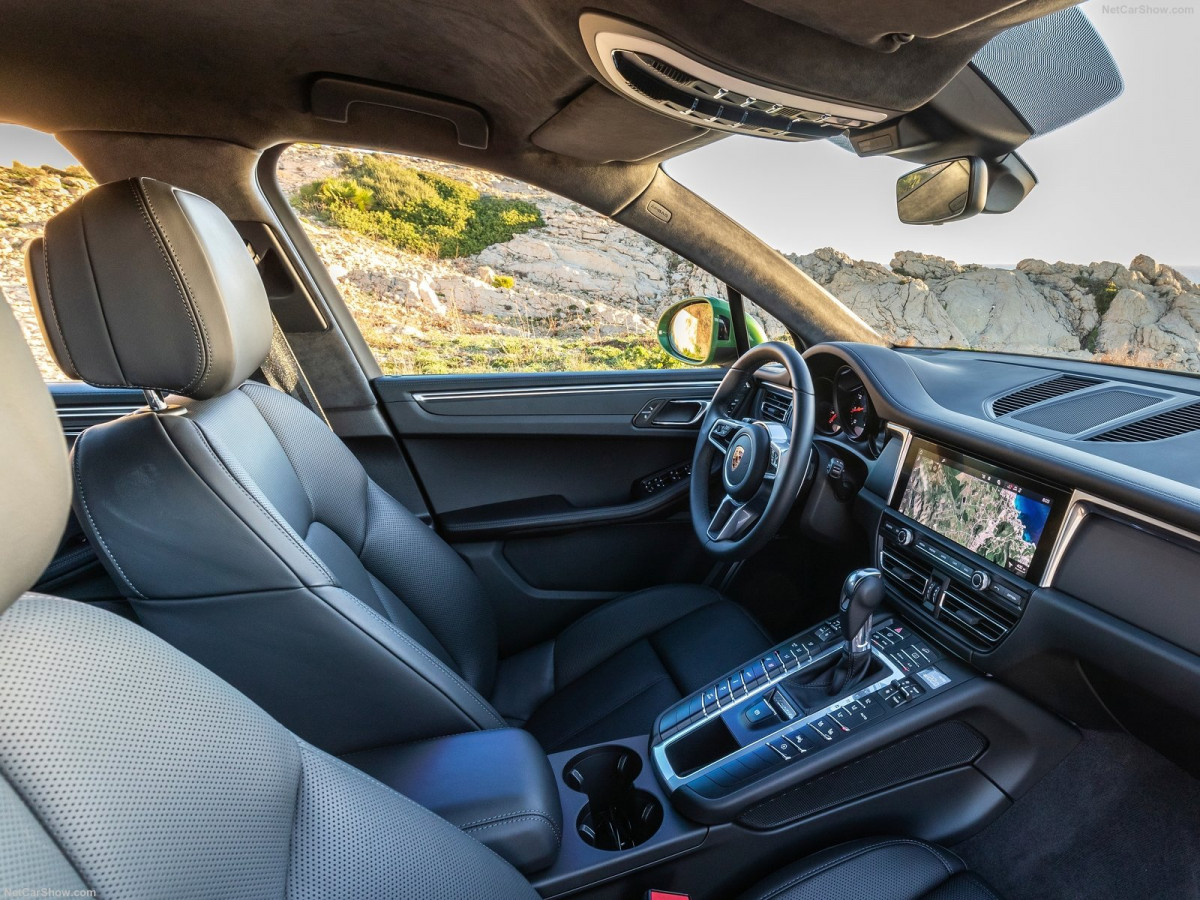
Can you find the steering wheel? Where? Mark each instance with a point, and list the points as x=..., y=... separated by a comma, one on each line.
x=764, y=463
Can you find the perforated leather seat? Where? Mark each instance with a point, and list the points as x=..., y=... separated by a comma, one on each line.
x=246, y=534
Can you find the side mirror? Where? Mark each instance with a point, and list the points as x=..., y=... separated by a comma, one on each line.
x=946, y=191
x=699, y=331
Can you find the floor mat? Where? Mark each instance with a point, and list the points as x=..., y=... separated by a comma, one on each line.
x=1114, y=821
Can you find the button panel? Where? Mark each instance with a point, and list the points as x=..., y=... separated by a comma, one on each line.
x=789, y=733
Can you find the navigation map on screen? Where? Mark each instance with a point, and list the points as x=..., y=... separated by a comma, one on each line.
x=999, y=520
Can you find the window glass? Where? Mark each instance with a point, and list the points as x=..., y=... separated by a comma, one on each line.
x=449, y=269
x=41, y=180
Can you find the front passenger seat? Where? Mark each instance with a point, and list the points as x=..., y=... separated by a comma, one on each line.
x=246, y=534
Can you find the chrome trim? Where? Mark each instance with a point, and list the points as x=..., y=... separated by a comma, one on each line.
x=673, y=781
x=1082, y=505
x=92, y=412
x=905, y=440
x=427, y=396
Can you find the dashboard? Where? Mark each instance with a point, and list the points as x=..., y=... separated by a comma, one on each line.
x=1037, y=517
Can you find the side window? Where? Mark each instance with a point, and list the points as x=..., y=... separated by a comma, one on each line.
x=449, y=269
x=42, y=179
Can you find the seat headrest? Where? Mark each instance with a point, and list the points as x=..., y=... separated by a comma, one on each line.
x=140, y=284
x=35, y=485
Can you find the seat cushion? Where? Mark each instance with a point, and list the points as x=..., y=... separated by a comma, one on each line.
x=611, y=673
x=879, y=869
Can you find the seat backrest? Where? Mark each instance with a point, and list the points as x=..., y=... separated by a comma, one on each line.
x=128, y=770
x=241, y=528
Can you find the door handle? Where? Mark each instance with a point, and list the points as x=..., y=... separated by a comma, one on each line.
x=671, y=413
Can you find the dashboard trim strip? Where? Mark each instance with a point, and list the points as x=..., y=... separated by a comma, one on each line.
x=1084, y=504
x=495, y=393
x=905, y=438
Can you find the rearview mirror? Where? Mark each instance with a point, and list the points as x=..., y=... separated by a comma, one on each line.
x=946, y=191
x=699, y=331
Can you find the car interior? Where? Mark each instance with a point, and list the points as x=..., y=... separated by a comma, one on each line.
x=281, y=624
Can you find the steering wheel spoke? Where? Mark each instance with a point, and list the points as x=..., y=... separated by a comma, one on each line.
x=733, y=519
x=781, y=446
x=721, y=434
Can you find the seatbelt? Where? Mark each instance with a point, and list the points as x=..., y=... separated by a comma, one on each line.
x=281, y=370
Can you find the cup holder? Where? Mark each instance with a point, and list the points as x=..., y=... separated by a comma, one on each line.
x=617, y=816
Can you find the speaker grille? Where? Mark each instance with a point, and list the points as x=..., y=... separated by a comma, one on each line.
x=1171, y=423
x=1036, y=393
x=1076, y=414
x=949, y=745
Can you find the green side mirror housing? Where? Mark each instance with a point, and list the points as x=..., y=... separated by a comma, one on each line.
x=699, y=331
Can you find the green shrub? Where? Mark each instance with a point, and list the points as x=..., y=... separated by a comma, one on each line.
x=504, y=282
x=417, y=211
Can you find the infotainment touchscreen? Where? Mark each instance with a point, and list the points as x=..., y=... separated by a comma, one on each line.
x=999, y=515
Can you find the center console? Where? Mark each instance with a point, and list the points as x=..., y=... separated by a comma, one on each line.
x=762, y=726
x=964, y=543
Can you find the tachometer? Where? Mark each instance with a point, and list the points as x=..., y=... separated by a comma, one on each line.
x=853, y=404
x=827, y=421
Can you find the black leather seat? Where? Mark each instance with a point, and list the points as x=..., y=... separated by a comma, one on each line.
x=127, y=770
x=246, y=534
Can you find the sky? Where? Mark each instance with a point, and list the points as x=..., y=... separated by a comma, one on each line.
x=1122, y=181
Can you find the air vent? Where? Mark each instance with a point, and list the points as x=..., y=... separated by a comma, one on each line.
x=1172, y=423
x=1036, y=393
x=775, y=407
x=908, y=577
x=975, y=618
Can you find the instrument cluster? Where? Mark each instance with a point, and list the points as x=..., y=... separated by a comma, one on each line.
x=844, y=410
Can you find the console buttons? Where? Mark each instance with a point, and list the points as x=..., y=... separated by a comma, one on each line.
x=783, y=747
x=723, y=693
x=709, y=699
x=771, y=665
x=934, y=677
x=753, y=674
x=759, y=713
x=801, y=652
x=824, y=634
x=866, y=709
x=844, y=718
x=901, y=692
x=803, y=740
x=827, y=729
x=736, y=687
x=789, y=658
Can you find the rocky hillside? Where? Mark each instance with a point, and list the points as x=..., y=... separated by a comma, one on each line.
x=584, y=292
x=1144, y=314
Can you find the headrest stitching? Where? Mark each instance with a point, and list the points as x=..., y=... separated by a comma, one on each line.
x=202, y=344
x=50, y=299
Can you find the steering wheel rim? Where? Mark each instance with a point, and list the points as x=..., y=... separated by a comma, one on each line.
x=758, y=491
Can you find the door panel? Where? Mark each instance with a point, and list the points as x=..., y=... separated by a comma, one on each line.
x=561, y=489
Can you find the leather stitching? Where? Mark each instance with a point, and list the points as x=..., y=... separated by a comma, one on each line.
x=76, y=468
x=512, y=820
x=203, y=348
x=846, y=857
x=501, y=817
x=54, y=306
x=433, y=660
x=274, y=519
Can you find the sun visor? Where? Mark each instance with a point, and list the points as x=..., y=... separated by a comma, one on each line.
x=600, y=126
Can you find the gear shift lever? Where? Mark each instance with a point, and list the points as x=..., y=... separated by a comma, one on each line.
x=862, y=593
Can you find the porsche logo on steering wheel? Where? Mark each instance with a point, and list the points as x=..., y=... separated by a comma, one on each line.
x=736, y=459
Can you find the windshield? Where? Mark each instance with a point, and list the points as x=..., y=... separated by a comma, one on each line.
x=1099, y=262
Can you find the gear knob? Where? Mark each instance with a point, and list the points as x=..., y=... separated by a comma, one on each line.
x=862, y=593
